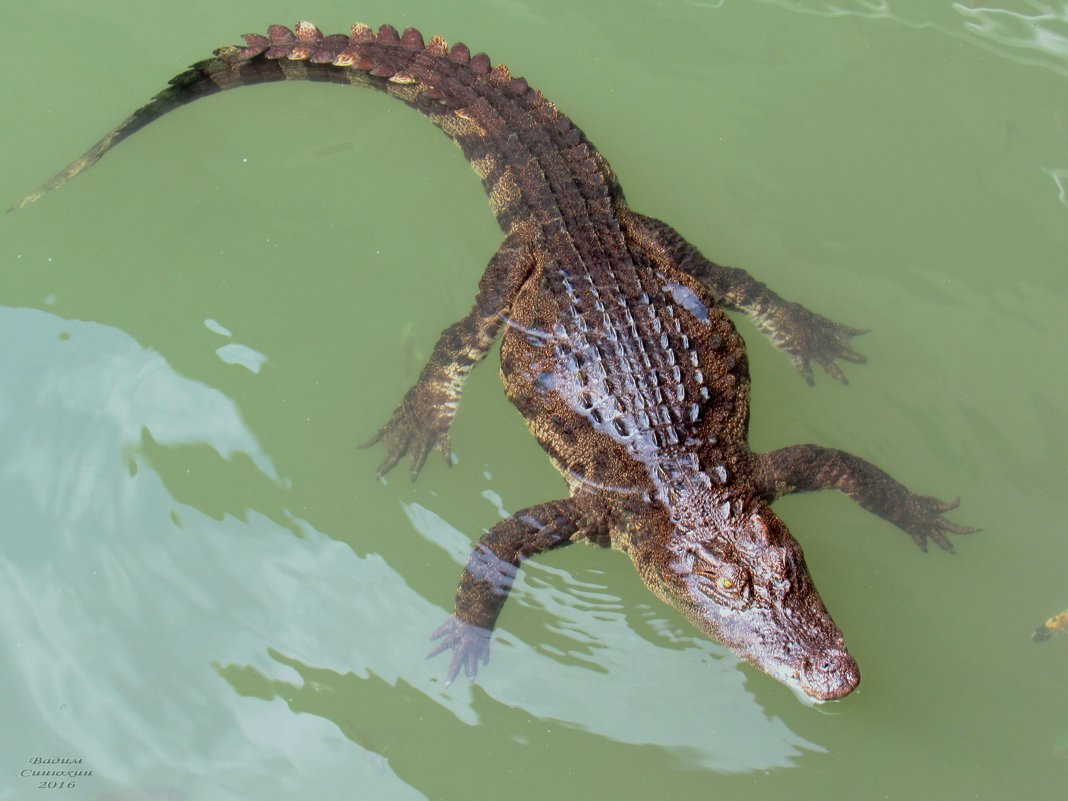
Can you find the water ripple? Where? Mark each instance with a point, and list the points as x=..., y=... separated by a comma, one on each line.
x=596, y=656
x=1034, y=36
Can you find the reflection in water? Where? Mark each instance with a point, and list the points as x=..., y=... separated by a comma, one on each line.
x=111, y=615
x=123, y=634
x=1044, y=33
x=234, y=352
x=1039, y=38
x=1035, y=36
x=597, y=639
x=1060, y=177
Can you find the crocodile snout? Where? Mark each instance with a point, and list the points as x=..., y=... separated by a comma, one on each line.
x=828, y=675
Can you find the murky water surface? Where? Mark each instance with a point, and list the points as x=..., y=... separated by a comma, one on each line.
x=204, y=593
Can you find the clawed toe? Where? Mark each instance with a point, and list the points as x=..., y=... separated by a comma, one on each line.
x=469, y=645
x=810, y=339
x=926, y=523
x=415, y=429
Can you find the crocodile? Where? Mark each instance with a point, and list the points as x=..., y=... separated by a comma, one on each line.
x=617, y=350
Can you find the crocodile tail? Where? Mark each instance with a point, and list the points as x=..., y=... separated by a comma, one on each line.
x=194, y=83
x=230, y=67
x=445, y=83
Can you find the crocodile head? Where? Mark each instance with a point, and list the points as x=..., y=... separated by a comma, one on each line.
x=740, y=577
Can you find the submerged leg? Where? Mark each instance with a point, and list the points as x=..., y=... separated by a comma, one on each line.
x=806, y=337
x=421, y=422
x=491, y=569
x=805, y=468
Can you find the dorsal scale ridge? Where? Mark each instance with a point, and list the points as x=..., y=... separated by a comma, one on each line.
x=616, y=350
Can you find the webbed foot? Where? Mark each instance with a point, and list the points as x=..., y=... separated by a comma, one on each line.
x=921, y=517
x=810, y=338
x=469, y=645
x=418, y=425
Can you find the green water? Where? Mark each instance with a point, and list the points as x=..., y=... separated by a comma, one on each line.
x=204, y=593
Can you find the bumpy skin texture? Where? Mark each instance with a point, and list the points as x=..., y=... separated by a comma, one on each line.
x=619, y=355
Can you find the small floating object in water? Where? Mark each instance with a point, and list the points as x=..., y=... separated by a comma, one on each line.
x=1055, y=625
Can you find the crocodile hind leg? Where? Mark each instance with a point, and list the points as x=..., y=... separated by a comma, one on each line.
x=806, y=337
x=421, y=421
x=491, y=569
x=806, y=468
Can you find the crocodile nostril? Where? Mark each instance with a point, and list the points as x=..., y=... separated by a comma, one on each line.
x=830, y=674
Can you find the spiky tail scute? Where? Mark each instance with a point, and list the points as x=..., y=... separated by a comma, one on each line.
x=307, y=43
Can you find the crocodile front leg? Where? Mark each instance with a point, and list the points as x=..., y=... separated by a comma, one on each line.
x=492, y=567
x=805, y=468
x=421, y=422
x=806, y=337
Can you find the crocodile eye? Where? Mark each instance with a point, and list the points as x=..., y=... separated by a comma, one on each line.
x=718, y=575
x=726, y=590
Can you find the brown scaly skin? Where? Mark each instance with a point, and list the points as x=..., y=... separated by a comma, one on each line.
x=617, y=351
